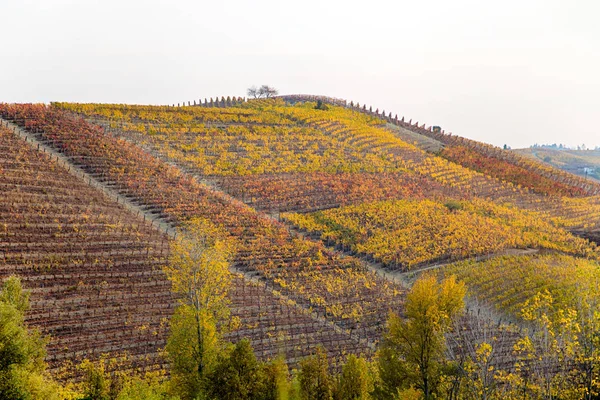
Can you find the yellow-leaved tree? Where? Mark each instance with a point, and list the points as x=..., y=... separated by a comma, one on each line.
x=412, y=354
x=199, y=273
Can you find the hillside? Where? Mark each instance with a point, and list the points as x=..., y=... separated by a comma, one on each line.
x=94, y=268
x=331, y=211
x=585, y=163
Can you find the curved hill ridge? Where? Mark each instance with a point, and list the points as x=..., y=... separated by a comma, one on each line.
x=585, y=163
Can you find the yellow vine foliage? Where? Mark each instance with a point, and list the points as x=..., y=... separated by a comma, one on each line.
x=510, y=282
x=408, y=233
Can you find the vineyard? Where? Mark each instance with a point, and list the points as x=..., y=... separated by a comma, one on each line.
x=315, y=278
x=509, y=281
x=95, y=273
x=504, y=165
x=93, y=267
x=277, y=193
x=250, y=167
x=328, y=210
x=404, y=234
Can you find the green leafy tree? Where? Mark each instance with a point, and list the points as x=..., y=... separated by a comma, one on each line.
x=314, y=380
x=22, y=350
x=412, y=354
x=355, y=381
x=237, y=375
x=277, y=380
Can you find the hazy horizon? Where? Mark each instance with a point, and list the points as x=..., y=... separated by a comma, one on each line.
x=514, y=73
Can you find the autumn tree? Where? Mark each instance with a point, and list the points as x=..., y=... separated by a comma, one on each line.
x=414, y=348
x=588, y=354
x=355, y=382
x=198, y=271
x=546, y=354
x=102, y=379
x=475, y=350
x=313, y=377
x=22, y=350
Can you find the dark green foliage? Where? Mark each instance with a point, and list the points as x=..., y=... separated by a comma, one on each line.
x=321, y=106
x=392, y=372
x=313, y=377
x=237, y=375
x=276, y=380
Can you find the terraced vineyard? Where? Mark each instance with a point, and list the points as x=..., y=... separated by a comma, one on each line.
x=404, y=234
x=185, y=136
x=95, y=273
x=318, y=190
x=317, y=279
x=94, y=268
x=328, y=209
x=509, y=281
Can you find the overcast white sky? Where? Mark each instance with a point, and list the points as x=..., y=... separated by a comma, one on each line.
x=516, y=72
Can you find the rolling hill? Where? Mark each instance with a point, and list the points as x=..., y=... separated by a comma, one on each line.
x=585, y=163
x=331, y=210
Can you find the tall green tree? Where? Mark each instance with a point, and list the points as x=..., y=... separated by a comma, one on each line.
x=355, y=381
x=198, y=271
x=277, y=380
x=237, y=375
x=314, y=380
x=412, y=354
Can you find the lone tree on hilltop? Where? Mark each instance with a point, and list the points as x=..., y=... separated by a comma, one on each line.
x=263, y=92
